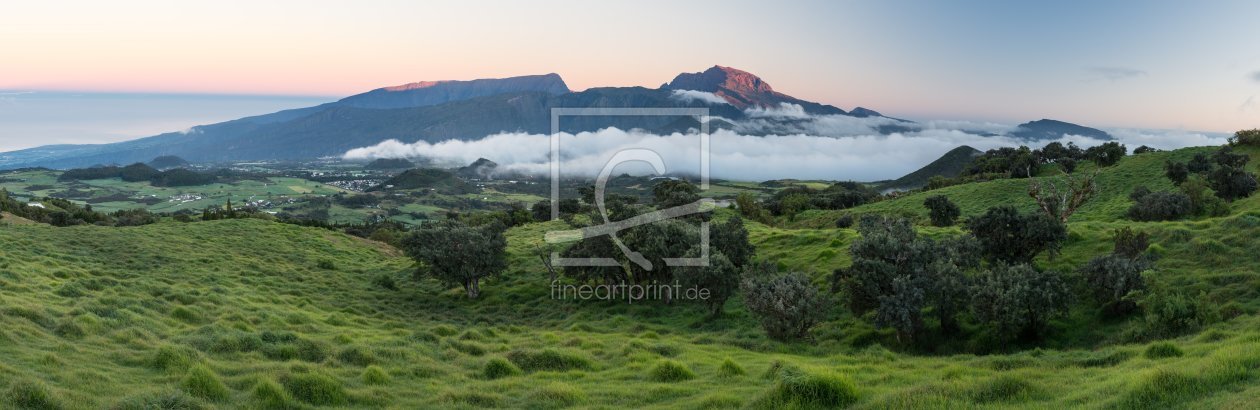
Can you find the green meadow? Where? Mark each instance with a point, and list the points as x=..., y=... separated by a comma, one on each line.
x=257, y=314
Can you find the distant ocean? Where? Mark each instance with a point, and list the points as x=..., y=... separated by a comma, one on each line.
x=33, y=118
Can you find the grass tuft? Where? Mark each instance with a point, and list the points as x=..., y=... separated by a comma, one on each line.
x=204, y=383
x=1163, y=350
x=33, y=395
x=269, y=395
x=801, y=390
x=730, y=369
x=498, y=367
x=670, y=371
x=375, y=375
x=549, y=360
x=164, y=400
x=317, y=389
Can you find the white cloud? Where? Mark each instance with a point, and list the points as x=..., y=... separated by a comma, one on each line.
x=784, y=110
x=702, y=96
x=831, y=147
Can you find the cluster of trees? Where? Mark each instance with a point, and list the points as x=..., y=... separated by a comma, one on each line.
x=1204, y=186
x=898, y=277
x=62, y=212
x=1024, y=162
x=140, y=172
x=797, y=198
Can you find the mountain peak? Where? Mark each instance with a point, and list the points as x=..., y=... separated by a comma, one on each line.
x=719, y=78
x=424, y=93
x=1048, y=129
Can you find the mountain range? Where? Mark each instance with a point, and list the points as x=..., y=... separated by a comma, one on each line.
x=435, y=111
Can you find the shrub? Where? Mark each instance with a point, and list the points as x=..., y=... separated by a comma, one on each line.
x=800, y=390
x=270, y=395
x=1177, y=172
x=1161, y=206
x=1006, y=235
x=1162, y=350
x=1203, y=200
x=317, y=389
x=670, y=371
x=26, y=394
x=730, y=369
x=1113, y=279
x=498, y=367
x=326, y=264
x=1246, y=138
x=720, y=279
x=1171, y=314
x=1107, y=154
x=1144, y=149
x=845, y=221
x=548, y=359
x=1018, y=300
x=204, y=383
x=941, y=210
x=788, y=305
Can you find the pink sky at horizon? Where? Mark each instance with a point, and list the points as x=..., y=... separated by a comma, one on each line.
x=1119, y=68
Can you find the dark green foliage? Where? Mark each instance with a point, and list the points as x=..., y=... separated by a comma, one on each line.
x=1008, y=236
x=167, y=161
x=941, y=210
x=55, y=211
x=1114, y=279
x=787, y=305
x=731, y=239
x=1058, y=153
x=898, y=274
x=1199, y=164
x=1172, y=313
x=1131, y=244
x=844, y=221
x=674, y=192
x=841, y=195
x=947, y=166
x=720, y=279
x=1230, y=178
x=1203, y=200
x=457, y=254
x=1246, y=138
x=1161, y=206
x=541, y=210
x=1143, y=150
x=1106, y=154
x=1068, y=165
x=1177, y=172
x=655, y=242
x=1019, y=162
x=438, y=180
x=181, y=177
x=358, y=200
x=667, y=371
x=133, y=217
x=1139, y=192
x=1018, y=301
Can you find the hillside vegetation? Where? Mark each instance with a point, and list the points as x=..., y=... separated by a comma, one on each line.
x=251, y=313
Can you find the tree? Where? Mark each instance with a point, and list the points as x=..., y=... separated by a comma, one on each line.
x=941, y=210
x=720, y=279
x=1059, y=200
x=748, y=206
x=787, y=305
x=1005, y=235
x=1018, y=300
x=731, y=239
x=1114, y=279
x=898, y=274
x=458, y=254
x=1246, y=138
x=654, y=242
x=1161, y=206
x=674, y=192
x=1199, y=164
x=1230, y=178
x=1203, y=201
x=1107, y=154
x=1144, y=149
x=1177, y=172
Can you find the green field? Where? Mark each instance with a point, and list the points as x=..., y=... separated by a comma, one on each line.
x=257, y=314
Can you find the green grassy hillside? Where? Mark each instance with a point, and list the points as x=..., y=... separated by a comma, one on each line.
x=256, y=314
x=1112, y=201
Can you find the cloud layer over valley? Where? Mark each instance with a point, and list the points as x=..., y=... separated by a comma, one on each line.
x=770, y=144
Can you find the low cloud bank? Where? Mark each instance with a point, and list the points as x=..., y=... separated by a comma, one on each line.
x=832, y=147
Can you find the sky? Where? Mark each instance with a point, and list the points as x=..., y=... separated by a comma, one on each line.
x=1132, y=64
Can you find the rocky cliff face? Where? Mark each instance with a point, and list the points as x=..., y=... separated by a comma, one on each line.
x=742, y=89
x=428, y=93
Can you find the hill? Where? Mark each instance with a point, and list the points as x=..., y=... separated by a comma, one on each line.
x=167, y=162
x=1053, y=129
x=428, y=178
x=949, y=165
x=192, y=317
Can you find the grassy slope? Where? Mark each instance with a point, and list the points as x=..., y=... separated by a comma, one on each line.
x=95, y=315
